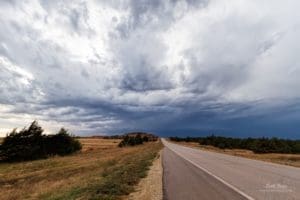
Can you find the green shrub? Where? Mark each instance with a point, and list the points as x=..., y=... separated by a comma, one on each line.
x=31, y=144
x=62, y=143
x=132, y=140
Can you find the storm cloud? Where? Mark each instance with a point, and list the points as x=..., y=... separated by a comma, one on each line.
x=174, y=67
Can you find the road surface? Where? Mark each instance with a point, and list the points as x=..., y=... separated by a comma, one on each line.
x=195, y=174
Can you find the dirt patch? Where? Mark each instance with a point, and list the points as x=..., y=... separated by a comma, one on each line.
x=150, y=188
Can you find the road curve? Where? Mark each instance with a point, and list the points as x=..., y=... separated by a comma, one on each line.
x=195, y=174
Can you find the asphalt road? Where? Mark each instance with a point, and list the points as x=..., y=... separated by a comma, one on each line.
x=195, y=174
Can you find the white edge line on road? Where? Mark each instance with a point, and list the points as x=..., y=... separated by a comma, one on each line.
x=216, y=177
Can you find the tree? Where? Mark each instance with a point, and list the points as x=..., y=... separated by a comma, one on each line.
x=257, y=145
x=131, y=140
x=24, y=145
x=138, y=139
x=145, y=139
x=31, y=144
x=62, y=143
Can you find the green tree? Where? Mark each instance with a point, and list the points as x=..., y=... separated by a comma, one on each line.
x=30, y=144
x=24, y=145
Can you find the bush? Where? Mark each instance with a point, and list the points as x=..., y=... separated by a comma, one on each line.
x=62, y=143
x=145, y=139
x=31, y=144
x=257, y=145
x=133, y=140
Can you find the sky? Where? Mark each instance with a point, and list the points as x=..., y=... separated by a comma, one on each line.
x=172, y=67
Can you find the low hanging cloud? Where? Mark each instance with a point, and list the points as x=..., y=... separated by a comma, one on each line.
x=187, y=67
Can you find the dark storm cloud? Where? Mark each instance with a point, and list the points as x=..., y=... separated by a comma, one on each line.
x=148, y=10
x=151, y=12
x=171, y=67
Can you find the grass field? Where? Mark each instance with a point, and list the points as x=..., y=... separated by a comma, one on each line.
x=100, y=171
x=285, y=159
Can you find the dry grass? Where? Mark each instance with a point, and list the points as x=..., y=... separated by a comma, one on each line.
x=64, y=177
x=285, y=159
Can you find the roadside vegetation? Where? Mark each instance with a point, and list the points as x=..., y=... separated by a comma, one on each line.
x=136, y=139
x=257, y=145
x=279, y=158
x=31, y=144
x=101, y=170
x=149, y=136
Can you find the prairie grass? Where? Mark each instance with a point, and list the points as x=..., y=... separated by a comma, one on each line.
x=100, y=171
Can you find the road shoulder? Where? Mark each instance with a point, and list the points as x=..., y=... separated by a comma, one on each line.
x=150, y=188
